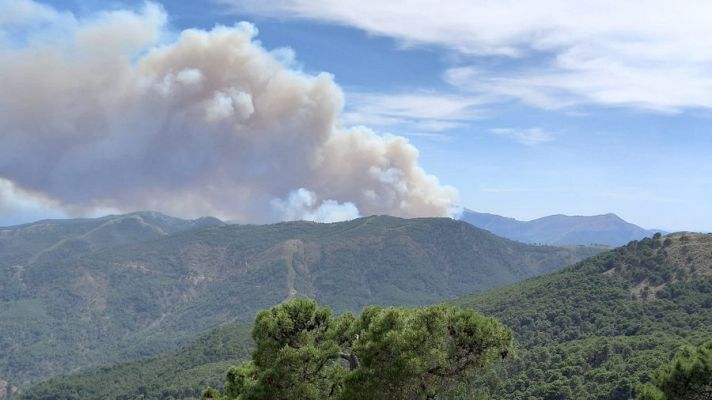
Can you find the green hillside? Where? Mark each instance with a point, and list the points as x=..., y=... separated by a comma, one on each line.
x=114, y=291
x=177, y=374
x=592, y=331
x=55, y=239
x=598, y=329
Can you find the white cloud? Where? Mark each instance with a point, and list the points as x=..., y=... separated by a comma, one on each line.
x=420, y=106
x=418, y=114
x=529, y=136
x=653, y=54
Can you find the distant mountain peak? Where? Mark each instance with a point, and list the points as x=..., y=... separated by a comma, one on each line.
x=559, y=229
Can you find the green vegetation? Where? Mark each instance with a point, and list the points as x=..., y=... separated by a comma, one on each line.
x=587, y=332
x=55, y=239
x=178, y=374
x=303, y=353
x=421, y=335
x=85, y=293
x=591, y=331
x=687, y=377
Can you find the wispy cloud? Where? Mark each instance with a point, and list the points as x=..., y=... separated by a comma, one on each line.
x=645, y=54
x=426, y=111
x=420, y=114
x=528, y=136
x=661, y=89
x=435, y=137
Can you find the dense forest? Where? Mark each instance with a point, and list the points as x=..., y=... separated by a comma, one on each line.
x=600, y=329
x=89, y=292
x=177, y=374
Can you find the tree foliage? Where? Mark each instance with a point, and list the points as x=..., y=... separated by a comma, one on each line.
x=687, y=377
x=589, y=334
x=304, y=352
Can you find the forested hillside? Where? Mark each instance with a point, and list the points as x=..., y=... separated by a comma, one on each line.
x=600, y=328
x=178, y=374
x=595, y=330
x=81, y=293
x=56, y=239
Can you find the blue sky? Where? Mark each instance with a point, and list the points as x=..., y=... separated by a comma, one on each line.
x=555, y=116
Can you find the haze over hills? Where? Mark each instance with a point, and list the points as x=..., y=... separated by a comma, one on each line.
x=606, y=229
x=591, y=331
x=84, y=292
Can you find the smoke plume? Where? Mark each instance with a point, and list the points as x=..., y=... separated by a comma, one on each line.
x=114, y=112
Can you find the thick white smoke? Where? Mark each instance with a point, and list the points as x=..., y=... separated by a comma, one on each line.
x=304, y=205
x=107, y=113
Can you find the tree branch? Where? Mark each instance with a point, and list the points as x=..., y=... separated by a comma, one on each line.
x=352, y=359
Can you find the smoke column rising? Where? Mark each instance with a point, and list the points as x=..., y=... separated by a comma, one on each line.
x=106, y=113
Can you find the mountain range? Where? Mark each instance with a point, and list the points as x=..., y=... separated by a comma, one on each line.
x=558, y=230
x=88, y=292
x=594, y=330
